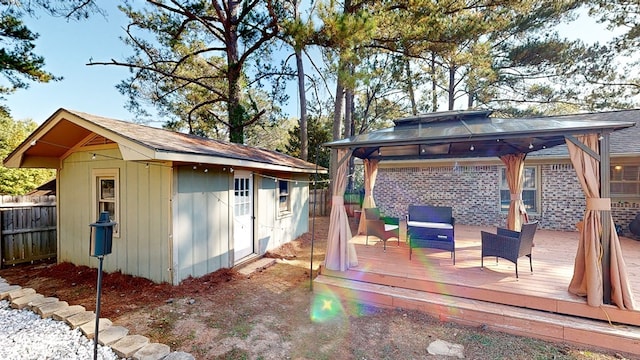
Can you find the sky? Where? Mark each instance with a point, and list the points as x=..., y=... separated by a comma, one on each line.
x=67, y=47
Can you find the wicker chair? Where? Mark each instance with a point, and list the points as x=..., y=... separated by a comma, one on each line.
x=509, y=244
x=377, y=227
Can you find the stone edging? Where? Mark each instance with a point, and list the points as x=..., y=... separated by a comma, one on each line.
x=136, y=347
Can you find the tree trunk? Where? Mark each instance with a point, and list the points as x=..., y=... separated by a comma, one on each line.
x=451, y=87
x=304, y=139
x=337, y=122
x=470, y=99
x=235, y=109
x=434, y=86
x=348, y=130
x=410, y=91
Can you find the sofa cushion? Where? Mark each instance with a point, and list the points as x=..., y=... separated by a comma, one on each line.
x=431, y=225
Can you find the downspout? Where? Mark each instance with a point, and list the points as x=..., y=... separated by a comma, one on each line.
x=174, y=179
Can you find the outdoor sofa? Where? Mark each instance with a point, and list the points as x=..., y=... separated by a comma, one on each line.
x=431, y=227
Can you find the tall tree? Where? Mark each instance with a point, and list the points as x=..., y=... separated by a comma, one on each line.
x=346, y=27
x=204, y=47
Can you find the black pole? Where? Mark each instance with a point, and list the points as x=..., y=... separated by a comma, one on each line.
x=95, y=335
x=313, y=222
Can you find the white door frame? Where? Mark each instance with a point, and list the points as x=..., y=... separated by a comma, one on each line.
x=243, y=244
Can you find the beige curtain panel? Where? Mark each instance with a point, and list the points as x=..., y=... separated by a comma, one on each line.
x=370, y=174
x=517, y=214
x=341, y=253
x=587, y=273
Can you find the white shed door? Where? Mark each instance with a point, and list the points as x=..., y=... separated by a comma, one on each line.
x=243, y=215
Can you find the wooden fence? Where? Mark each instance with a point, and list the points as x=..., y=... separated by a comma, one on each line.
x=27, y=229
x=319, y=202
x=322, y=201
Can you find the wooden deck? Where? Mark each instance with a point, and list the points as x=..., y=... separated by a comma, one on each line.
x=385, y=278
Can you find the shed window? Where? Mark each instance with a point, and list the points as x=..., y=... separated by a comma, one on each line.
x=530, y=190
x=284, y=198
x=625, y=181
x=107, y=195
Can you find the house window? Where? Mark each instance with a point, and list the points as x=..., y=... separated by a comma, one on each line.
x=284, y=198
x=625, y=181
x=530, y=190
x=107, y=195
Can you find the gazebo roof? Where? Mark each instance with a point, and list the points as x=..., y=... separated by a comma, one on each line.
x=464, y=134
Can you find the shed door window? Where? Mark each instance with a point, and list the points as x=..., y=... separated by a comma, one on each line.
x=530, y=190
x=107, y=195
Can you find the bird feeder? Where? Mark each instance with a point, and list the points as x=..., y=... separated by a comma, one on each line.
x=101, y=236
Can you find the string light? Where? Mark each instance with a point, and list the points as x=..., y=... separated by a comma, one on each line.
x=530, y=146
x=93, y=157
x=472, y=148
x=33, y=143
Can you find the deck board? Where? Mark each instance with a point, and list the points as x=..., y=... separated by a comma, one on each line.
x=544, y=289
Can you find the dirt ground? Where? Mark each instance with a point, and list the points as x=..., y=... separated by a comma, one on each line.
x=269, y=315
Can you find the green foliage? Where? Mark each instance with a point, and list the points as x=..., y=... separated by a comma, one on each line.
x=620, y=14
x=319, y=132
x=18, y=181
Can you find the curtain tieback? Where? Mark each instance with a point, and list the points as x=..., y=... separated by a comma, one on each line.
x=515, y=197
x=599, y=204
x=337, y=200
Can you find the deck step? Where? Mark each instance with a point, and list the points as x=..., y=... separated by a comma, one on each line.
x=505, y=318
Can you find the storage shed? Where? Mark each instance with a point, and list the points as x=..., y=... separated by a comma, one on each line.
x=184, y=205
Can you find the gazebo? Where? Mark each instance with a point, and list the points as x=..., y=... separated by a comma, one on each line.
x=599, y=271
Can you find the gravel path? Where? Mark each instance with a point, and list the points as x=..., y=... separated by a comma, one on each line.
x=25, y=335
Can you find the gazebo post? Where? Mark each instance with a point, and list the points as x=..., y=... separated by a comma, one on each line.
x=605, y=215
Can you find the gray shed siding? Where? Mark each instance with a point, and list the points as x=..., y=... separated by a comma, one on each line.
x=274, y=230
x=202, y=222
x=203, y=219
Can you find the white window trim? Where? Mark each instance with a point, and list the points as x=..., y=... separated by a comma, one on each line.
x=96, y=175
x=538, y=188
x=283, y=213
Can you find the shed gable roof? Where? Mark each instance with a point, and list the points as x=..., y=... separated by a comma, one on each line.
x=67, y=129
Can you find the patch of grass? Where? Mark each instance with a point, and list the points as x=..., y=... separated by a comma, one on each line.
x=232, y=325
x=162, y=324
x=478, y=338
x=241, y=329
x=234, y=354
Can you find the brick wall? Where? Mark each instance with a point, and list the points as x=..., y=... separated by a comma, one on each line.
x=563, y=202
x=474, y=194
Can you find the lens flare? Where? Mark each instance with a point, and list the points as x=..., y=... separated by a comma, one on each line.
x=325, y=307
